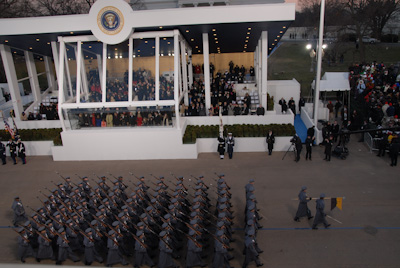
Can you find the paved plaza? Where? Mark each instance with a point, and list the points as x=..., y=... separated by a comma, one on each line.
x=366, y=233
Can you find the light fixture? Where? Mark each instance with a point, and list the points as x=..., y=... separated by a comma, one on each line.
x=30, y=47
x=247, y=37
x=284, y=27
x=153, y=47
x=276, y=40
x=249, y=28
x=90, y=46
x=6, y=41
x=48, y=43
x=169, y=43
x=213, y=30
x=216, y=42
x=248, y=32
x=146, y=42
x=164, y=38
x=215, y=34
x=308, y=46
x=71, y=32
x=196, y=46
x=187, y=31
x=192, y=40
x=134, y=56
x=278, y=36
x=169, y=54
x=162, y=55
x=281, y=32
x=198, y=51
x=247, y=41
x=116, y=56
x=160, y=27
x=138, y=50
x=324, y=46
x=37, y=39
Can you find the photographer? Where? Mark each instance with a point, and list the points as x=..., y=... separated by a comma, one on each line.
x=309, y=143
x=299, y=146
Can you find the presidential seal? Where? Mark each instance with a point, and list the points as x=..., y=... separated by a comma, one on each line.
x=110, y=20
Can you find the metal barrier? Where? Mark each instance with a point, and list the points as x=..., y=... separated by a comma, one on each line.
x=371, y=142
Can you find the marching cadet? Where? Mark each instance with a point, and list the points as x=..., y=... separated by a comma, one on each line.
x=221, y=247
x=64, y=250
x=91, y=253
x=24, y=245
x=141, y=254
x=31, y=232
x=320, y=214
x=230, y=141
x=45, y=250
x=19, y=211
x=303, y=210
x=194, y=250
x=67, y=185
x=165, y=258
x=114, y=255
x=251, y=252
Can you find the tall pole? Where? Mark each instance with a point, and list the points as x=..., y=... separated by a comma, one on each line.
x=319, y=62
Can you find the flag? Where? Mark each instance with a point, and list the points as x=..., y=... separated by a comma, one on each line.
x=336, y=202
x=9, y=129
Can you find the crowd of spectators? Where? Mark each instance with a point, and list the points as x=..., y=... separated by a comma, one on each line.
x=143, y=85
x=122, y=117
x=223, y=94
x=49, y=112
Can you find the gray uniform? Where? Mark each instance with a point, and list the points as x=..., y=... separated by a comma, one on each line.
x=45, y=250
x=303, y=210
x=91, y=253
x=24, y=248
x=114, y=256
x=165, y=259
x=320, y=214
x=19, y=213
x=64, y=251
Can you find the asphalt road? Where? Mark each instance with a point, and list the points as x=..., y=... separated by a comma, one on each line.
x=368, y=234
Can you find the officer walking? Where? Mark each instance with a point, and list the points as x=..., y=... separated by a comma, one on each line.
x=303, y=209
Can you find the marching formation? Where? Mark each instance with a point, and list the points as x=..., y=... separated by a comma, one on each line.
x=112, y=222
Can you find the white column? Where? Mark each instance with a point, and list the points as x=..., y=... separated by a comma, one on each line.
x=259, y=81
x=71, y=91
x=104, y=74
x=78, y=58
x=207, y=86
x=184, y=67
x=49, y=72
x=319, y=63
x=176, y=81
x=12, y=81
x=84, y=83
x=158, y=68
x=130, y=69
x=190, y=66
x=61, y=98
x=33, y=77
x=264, y=68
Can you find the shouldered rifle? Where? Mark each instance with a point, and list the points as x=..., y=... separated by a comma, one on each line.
x=25, y=239
x=194, y=241
x=45, y=238
x=85, y=235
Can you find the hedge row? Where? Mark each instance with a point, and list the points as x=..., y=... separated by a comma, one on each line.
x=194, y=132
x=36, y=135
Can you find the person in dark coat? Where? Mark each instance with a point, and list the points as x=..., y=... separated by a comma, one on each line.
x=194, y=249
x=19, y=211
x=114, y=255
x=283, y=105
x=221, y=147
x=251, y=254
x=270, y=141
x=64, y=251
x=21, y=151
x=91, y=253
x=165, y=245
x=24, y=247
x=303, y=210
x=311, y=131
x=394, y=151
x=141, y=255
x=45, y=250
x=3, y=152
x=299, y=146
x=320, y=214
x=328, y=148
x=230, y=141
x=309, y=143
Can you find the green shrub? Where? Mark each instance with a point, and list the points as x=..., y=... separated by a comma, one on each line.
x=36, y=135
x=194, y=132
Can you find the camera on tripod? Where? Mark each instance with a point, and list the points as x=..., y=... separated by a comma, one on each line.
x=294, y=139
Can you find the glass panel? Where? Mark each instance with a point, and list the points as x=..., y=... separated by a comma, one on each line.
x=71, y=64
x=117, y=72
x=144, y=63
x=20, y=63
x=41, y=68
x=122, y=117
x=91, y=52
x=167, y=68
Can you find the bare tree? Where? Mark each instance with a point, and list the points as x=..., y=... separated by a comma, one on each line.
x=380, y=12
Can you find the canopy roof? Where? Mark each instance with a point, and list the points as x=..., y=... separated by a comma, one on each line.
x=334, y=81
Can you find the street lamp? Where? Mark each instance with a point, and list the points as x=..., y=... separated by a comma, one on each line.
x=313, y=54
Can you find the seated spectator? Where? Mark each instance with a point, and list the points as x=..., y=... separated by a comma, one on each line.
x=31, y=116
x=24, y=117
x=260, y=110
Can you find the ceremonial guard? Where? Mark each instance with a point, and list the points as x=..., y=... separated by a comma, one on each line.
x=221, y=147
x=230, y=141
x=141, y=254
x=194, y=250
x=303, y=210
x=320, y=214
x=21, y=151
x=270, y=141
x=165, y=259
x=221, y=246
x=13, y=150
x=114, y=256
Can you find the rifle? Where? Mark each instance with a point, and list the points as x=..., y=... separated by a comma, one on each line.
x=45, y=238
x=216, y=238
x=26, y=240
x=126, y=186
x=84, y=234
x=102, y=181
x=224, y=182
x=194, y=241
x=65, y=193
x=66, y=179
x=36, y=214
x=112, y=239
